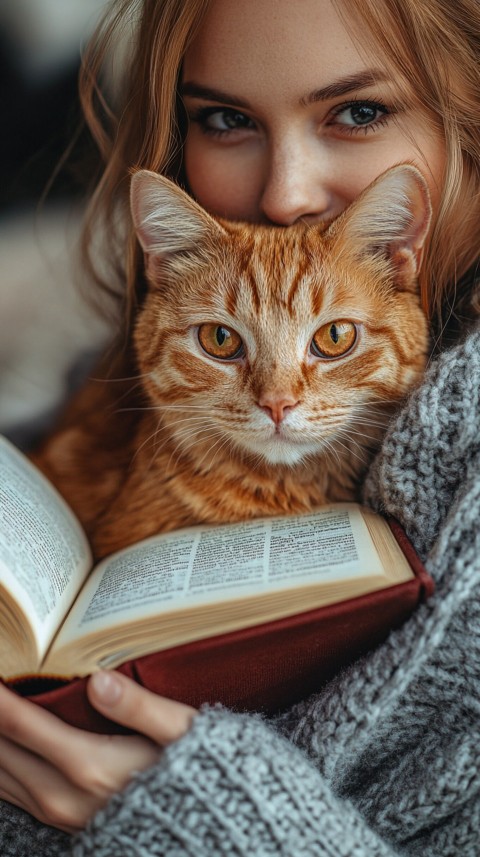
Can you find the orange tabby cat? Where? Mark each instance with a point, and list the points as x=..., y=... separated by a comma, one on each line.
x=266, y=360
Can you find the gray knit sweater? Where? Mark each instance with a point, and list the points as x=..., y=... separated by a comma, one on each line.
x=385, y=760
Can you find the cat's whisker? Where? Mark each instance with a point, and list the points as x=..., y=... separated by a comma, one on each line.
x=348, y=430
x=195, y=436
x=161, y=427
x=226, y=442
x=332, y=450
x=347, y=433
x=328, y=453
x=340, y=419
x=198, y=419
x=348, y=448
x=194, y=432
x=371, y=424
x=188, y=407
x=186, y=431
x=353, y=431
x=366, y=409
x=370, y=401
x=150, y=437
x=138, y=377
x=366, y=448
x=360, y=421
x=184, y=408
x=361, y=413
x=159, y=447
x=327, y=449
x=125, y=395
x=207, y=452
x=257, y=461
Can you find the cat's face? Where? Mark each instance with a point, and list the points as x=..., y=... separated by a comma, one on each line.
x=281, y=343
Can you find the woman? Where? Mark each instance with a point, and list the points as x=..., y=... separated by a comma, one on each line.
x=286, y=111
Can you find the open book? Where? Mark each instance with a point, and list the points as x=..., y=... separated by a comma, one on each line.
x=61, y=618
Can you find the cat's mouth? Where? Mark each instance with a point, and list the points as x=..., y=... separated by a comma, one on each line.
x=286, y=434
x=282, y=446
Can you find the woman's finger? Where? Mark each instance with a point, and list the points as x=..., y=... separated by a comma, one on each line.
x=98, y=764
x=124, y=701
x=34, y=728
x=14, y=792
x=40, y=788
x=33, y=785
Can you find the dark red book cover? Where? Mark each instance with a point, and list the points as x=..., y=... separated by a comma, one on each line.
x=265, y=668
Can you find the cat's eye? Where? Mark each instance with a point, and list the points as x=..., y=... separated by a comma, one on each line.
x=220, y=341
x=334, y=339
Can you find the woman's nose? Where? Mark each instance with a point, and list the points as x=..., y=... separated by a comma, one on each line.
x=297, y=188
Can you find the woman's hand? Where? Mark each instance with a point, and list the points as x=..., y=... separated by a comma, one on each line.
x=63, y=775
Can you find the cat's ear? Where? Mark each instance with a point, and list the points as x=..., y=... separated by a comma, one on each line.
x=168, y=221
x=391, y=219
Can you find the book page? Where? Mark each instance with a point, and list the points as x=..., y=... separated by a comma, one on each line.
x=211, y=564
x=44, y=554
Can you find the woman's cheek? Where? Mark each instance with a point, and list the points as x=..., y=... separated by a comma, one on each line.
x=226, y=182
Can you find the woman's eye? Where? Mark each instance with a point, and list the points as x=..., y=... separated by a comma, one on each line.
x=220, y=342
x=361, y=114
x=334, y=339
x=213, y=120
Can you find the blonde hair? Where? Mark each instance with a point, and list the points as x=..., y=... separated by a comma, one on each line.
x=435, y=45
x=142, y=129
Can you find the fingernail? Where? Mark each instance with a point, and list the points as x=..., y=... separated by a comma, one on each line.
x=107, y=686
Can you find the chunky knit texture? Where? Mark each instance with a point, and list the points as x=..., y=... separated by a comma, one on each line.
x=23, y=836
x=385, y=761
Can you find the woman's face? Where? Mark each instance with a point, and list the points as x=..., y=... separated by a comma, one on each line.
x=288, y=119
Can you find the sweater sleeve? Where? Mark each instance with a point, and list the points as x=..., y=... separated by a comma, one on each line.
x=232, y=787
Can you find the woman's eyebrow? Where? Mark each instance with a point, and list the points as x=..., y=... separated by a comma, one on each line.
x=342, y=86
x=194, y=90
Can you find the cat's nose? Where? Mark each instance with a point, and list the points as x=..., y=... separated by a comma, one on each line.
x=277, y=407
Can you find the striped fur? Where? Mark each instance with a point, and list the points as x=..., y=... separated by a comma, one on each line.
x=278, y=430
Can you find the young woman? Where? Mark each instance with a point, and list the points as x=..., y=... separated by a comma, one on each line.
x=273, y=111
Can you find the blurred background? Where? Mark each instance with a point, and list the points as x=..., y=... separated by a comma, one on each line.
x=40, y=45
x=49, y=334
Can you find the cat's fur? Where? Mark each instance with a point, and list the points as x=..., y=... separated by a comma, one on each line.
x=279, y=430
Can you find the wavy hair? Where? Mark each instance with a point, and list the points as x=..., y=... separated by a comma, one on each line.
x=142, y=126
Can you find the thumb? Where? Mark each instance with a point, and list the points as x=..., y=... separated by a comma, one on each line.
x=124, y=701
